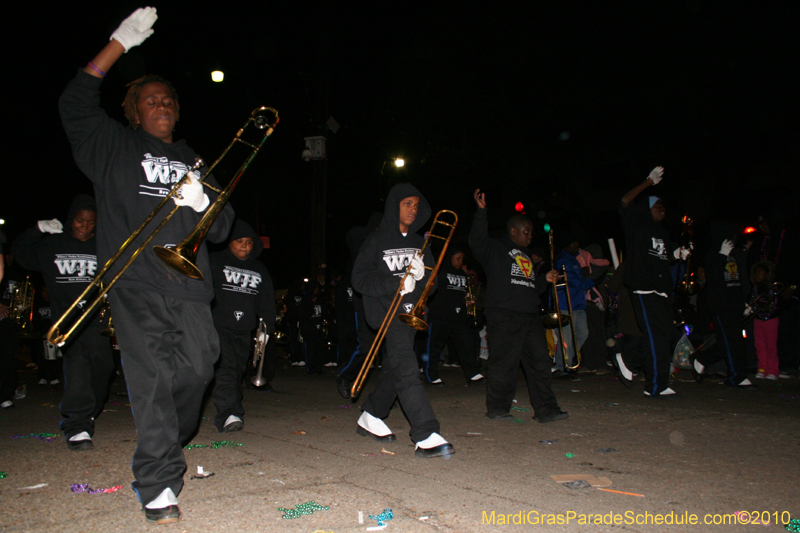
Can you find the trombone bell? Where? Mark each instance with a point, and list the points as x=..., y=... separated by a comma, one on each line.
x=413, y=320
x=180, y=259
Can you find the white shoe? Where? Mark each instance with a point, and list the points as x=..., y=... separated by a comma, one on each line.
x=329, y=364
x=232, y=423
x=6, y=404
x=55, y=382
x=476, y=377
x=83, y=435
x=373, y=425
x=665, y=392
x=165, y=499
x=698, y=367
x=431, y=442
x=42, y=381
x=623, y=370
x=761, y=375
x=771, y=377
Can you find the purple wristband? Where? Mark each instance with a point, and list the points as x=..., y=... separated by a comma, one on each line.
x=96, y=68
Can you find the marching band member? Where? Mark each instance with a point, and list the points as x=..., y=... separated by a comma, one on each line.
x=162, y=319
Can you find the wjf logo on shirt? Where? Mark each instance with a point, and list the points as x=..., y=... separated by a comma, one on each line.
x=238, y=315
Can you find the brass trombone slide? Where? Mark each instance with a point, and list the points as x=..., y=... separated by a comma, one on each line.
x=558, y=318
x=414, y=318
x=258, y=118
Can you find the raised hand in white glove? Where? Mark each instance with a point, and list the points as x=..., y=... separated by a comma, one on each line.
x=657, y=174
x=408, y=285
x=136, y=28
x=191, y=194
x=727, y=246
x=747, y=310
x=50, y=226
x=417, y=268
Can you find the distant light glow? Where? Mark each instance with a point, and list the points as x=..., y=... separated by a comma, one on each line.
x=217, y=76
x=564, y=136
x=519, y=207
x=2, y=221
x=399, y=162
x=749, y=229
x=547, y=228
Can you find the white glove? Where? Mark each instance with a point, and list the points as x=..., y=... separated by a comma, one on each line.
x=408, y=286
x=657, y=174
x=136, y=28
x=681, y=253
x=727, y=246
x=747, y=310
x=417, y=268
x=191, y=194
x=50, y=226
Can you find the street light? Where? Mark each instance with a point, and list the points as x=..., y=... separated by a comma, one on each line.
x=217, y=76
x=399, y=162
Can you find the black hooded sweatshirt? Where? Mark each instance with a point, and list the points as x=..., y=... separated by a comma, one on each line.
x=132, y=171
x=243, y=288
x=647, y=243
x=67, y=264
x=725, y=294
x=386, y=254
x=449, y=304
x=511, y=284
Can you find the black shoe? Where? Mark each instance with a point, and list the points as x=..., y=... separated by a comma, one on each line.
x=442, y=450
x=163, y=515
x=344, y=388
x=500, y=417
x=391, y=437
x=558, y=414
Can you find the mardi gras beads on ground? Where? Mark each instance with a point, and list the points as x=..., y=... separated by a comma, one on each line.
x=381, y=518
x=85, y=488
x=301, y=509
x=43, y=436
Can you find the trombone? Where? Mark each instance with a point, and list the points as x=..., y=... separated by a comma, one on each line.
x=414, y=318
x=557, y=318
x=258, y=354
x=184, y=256
x=762, y=302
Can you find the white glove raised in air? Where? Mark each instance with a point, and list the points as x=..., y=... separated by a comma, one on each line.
x=417, y=268
x=50, y=226
x=408, y=285
x=727, y=246
x=191, y=194
x=136, y=28
x=657, y=174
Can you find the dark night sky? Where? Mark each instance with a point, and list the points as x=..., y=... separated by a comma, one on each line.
x=478, y=98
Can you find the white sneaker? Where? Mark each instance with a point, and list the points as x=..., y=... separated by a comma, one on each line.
x=42, y=381
x=665, y=392
x=232, y=423
x=761, y=375
x=55, y=382
x=373, y=425
x=771, y=377
x=476, y=377
x=6, y=404
x=83, y=435
x=165, y=499
x=329, y=364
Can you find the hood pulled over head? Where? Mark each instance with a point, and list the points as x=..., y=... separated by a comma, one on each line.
x=242, y=229
x=80, y=203
x=391, y=215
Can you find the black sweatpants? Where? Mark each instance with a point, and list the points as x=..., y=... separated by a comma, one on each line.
x=729, y=346
x=234, y=352
x=168, y=349
x=463, y=339
x=654, y=316
x=352, y=362
x=88, y=366
x=399, y=379
x=516, y=338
